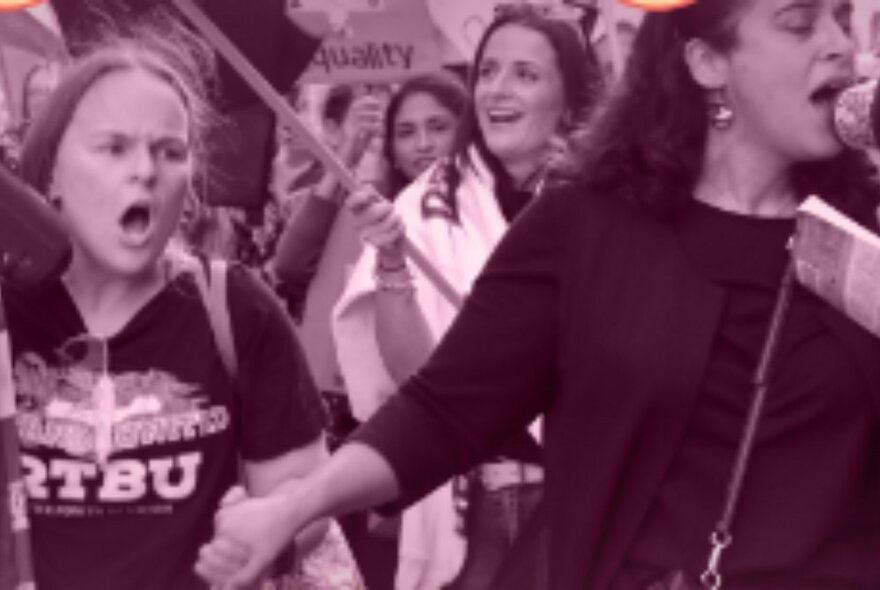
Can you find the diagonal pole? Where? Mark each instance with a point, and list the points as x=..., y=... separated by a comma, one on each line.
x=286, y=114
x=17, y=566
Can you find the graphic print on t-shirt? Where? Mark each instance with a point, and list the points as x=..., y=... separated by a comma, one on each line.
x=76, y=419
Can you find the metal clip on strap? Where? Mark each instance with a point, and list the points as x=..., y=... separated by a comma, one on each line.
x=721, y=537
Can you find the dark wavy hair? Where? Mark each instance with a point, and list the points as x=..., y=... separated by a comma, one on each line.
x=159, y=44
x=445, y=88
x=646, y=141
x=581, y=80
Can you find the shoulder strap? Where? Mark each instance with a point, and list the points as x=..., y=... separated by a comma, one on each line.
x=212, y=288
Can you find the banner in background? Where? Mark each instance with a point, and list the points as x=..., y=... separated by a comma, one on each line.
x=463, y=22
x=383, y=40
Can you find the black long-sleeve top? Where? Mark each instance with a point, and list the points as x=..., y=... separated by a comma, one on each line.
x=602, y=317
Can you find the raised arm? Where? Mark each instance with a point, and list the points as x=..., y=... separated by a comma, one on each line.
x=495, y=369
x=402, y=333
x=301, y=245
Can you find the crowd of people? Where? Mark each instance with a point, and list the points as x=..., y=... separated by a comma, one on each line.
x=620, y=244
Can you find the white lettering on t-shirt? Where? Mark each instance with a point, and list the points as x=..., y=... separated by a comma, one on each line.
x=185, y=484
x=119, y=481
x=35, y=476
x=72, y=472
x=124, y=480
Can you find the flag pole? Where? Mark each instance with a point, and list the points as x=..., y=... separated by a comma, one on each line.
x=286, y=115
x=21, y=566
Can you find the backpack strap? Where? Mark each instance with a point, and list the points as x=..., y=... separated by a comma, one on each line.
x=211, y=279
x=210, y=276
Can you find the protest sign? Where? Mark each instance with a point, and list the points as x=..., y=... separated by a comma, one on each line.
x=377, y=45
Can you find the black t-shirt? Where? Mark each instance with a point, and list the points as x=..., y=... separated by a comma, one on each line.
x=128, y=443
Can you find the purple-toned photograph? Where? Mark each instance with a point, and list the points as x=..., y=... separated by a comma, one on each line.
x=439, y=295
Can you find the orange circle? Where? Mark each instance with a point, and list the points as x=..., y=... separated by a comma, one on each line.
x=18, y=4
x=656, y=5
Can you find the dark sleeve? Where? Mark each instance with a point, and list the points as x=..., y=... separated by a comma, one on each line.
x=495, y=369
x=300, y=248
x=279, y=402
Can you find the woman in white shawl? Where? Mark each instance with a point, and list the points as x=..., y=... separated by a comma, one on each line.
x=532, y=79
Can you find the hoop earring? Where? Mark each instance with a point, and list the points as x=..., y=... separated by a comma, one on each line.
x=721, y=116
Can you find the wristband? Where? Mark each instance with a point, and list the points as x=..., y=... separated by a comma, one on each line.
x=391, y=269
x=394, y=281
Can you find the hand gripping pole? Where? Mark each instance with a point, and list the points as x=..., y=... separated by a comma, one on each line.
x=288, y=116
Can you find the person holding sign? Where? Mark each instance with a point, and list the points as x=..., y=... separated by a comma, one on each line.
x=631, y=308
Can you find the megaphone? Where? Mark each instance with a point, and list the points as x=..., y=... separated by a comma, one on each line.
x=857, y=115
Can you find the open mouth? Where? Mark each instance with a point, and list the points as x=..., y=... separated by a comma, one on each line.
x=503, y=116
x=827, y=93
x=136, y=221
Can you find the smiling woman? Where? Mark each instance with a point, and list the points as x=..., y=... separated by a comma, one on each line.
x=149, y=425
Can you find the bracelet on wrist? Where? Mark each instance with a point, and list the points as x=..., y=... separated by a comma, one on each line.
x=391, y=268
x=398, y=281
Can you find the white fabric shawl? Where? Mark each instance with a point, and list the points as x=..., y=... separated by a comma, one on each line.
x=431, y=550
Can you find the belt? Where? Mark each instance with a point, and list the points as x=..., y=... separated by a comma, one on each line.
x=498, y=475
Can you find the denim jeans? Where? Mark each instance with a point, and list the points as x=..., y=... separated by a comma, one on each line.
x=493, y=521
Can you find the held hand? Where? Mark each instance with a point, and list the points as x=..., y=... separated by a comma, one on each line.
x=220, y=560
x=377, y=222
x=249, y=534
x=223, y=557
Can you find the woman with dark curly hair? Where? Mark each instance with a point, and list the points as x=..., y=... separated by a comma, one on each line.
x=630, y=308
